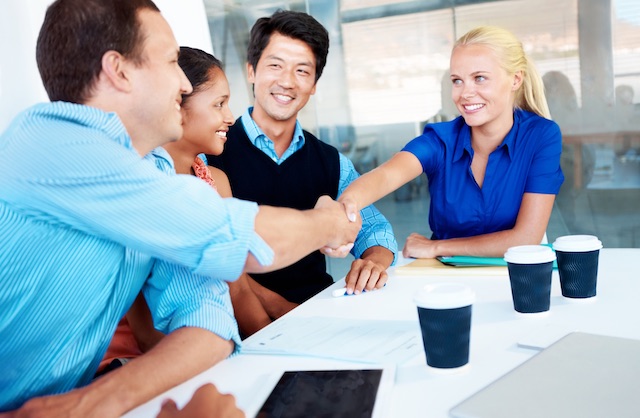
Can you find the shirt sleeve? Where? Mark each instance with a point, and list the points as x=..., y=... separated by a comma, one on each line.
x=428, y=149
x=545, y=175
x=178, y=298
x=104, y=189
x=376, y=229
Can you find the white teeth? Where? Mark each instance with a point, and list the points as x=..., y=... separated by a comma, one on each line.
x=177, y=105
x=474, y=107
x=283, y=98
x=221, y=133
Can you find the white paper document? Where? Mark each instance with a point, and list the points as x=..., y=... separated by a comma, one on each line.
x=367, y=341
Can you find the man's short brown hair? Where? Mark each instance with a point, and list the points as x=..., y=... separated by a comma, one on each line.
x=77, y=33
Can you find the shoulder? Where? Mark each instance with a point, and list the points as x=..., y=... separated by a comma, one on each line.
x=530, y=125
x=321, y=145
x=439, y=135
x=221, y=181
x=533, y=121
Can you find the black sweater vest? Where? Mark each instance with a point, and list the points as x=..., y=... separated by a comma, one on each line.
x=297, y=183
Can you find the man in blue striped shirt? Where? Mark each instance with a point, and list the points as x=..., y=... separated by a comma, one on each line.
x=87, y=220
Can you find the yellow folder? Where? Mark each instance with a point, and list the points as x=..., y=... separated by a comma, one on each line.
x=433, y=267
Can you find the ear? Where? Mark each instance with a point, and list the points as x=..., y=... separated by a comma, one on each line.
x=115, y=70
x=518, y=78
x=251, y=74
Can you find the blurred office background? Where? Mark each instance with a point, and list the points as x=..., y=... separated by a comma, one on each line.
x=384, y=81
x=386, y=77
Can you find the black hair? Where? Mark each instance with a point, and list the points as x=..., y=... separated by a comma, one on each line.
x=296, y=25
x=197, y=65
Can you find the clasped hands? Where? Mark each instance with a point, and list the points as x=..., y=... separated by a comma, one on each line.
x=345, y=223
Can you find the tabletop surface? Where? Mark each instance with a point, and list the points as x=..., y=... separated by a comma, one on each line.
x=501, y=338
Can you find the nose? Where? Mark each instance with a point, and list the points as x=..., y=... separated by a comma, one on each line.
x=468, y=92
x=287, y=79
x=228, y=116
x=185, y=84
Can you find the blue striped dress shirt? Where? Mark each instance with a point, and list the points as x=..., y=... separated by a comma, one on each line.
x=376, y=229
x=85, y=224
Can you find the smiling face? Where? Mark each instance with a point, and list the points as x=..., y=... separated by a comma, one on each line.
x=157, y=83
x=283, y=80
x=206, y=115
x=483, y=91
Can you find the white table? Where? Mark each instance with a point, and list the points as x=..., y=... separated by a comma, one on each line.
x=496, y=331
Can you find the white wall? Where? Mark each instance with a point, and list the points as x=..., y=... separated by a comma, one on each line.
x=20, y=22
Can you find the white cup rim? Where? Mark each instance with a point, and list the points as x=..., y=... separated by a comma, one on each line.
x=577, y=243
x=529, y=254
x=444, y=296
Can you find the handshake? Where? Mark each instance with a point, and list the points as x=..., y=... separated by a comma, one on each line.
x=343, y=225
x=343, y=222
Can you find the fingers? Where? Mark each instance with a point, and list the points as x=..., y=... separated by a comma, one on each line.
x=418, y=246
x=343, y=226
x=206, y=402
x=169, y=409
x=365, y=276
x=340, y=252
x=350, y=209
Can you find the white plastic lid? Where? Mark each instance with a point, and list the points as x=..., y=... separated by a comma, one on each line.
x=529, y=254
x=577, y=243
x=444, y=296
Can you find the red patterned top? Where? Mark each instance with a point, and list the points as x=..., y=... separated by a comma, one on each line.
x=202, y=172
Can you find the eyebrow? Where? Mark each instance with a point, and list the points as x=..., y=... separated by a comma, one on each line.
x=277, y=58
x=479, y=72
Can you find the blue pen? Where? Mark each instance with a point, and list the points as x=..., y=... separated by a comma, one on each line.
x=336, y=293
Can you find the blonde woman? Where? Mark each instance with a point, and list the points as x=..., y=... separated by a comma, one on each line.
x=494, y=171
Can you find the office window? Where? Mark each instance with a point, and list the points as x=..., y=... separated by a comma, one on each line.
x=384, y=80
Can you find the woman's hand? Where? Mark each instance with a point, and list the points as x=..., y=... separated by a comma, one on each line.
x=419, y=246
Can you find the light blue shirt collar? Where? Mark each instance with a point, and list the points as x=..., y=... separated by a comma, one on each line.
x=264, y=143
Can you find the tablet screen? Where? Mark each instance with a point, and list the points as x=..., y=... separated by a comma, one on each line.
x=326, y=393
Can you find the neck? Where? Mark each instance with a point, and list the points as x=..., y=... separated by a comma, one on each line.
x=488, y=137
x=182, y=158
x=280, y=132
x=141, y=140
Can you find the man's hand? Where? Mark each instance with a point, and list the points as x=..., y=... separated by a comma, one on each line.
x=365, y=275
x=206, y=402
x=370, y=271
x=345, y=226
x=418, y=246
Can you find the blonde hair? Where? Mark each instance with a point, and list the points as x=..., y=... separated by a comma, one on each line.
x=508, y=49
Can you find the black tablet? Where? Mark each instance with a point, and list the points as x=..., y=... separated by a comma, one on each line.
x=328, y=393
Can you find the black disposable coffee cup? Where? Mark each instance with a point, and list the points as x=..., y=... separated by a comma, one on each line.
x=444, y=312
x=530, y=270
x=578, y=265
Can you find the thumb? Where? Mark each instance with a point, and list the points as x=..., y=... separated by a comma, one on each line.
x=169, y=408
x=350, y=209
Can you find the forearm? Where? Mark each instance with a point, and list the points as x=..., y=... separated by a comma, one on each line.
x=379, y=182
x=274, y=304
x=292, y=234
x=487, y=245
x=529, y=228
x=179, y=356
x=249, y=311
x=141, y=323
x=379, y=255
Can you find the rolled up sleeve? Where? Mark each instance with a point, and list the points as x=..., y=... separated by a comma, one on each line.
x=178, y=298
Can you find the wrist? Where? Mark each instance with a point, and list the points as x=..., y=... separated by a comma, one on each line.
x=112, y=394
